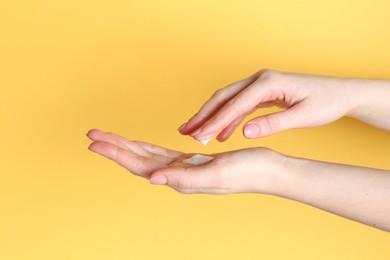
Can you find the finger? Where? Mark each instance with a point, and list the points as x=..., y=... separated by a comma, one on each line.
x=98, y=135
x=219, y=98
x=274, y=123
x=228, y=131
x=138, y=165
x=159, y=150
x=199, y=179
x=122, y=142
x=241, y=104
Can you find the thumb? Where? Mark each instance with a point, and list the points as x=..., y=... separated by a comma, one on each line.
x=272, y=123
x=185, y=180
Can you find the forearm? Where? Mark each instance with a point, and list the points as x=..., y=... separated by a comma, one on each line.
x=371, y=99
x=358, y=193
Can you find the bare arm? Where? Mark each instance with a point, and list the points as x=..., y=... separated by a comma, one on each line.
x=373, y=101
x=358, y=193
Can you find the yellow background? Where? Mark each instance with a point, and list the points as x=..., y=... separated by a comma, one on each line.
x=142, y=68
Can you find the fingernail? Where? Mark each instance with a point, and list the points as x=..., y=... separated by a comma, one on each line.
x=182, y=127
x=251, y=131
x=159, y=180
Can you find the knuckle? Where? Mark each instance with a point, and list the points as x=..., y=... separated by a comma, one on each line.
x=263, y=70
x=219, y=94
x=110, y=134
x=137, y=166
x=115, y=152
x=269, y=75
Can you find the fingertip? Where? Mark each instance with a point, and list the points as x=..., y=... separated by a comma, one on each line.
x=251, y=131
x=189, y=129
x=182, y=128
x=221, y=137
x=158, y=180
x=91, y=146
x=91, y=134
x=90, y=131
x=102, y=148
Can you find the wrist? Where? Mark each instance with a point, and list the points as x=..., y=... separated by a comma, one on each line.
x=275, y=178
x=371, y=101
x=284, y=180
x=358, y=94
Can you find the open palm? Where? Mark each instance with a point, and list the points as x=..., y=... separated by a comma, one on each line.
x=237, y=171
x=138, y=157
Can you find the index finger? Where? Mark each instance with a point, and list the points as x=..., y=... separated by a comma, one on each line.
x=240, y=105
x=214, y=104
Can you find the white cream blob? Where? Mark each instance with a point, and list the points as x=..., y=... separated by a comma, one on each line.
x=206, y=140
x=198, y=159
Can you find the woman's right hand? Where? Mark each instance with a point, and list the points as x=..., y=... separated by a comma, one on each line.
x=308, y=101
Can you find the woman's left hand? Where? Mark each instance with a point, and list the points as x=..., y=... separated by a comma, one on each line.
x=246, y=170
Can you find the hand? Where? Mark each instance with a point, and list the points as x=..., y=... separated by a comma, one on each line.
x=358, y=193
x=247, y=170
x=140, y=158
x=309, y=101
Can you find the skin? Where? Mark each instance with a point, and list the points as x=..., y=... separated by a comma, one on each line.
x=358, y=193
x=309, y=101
